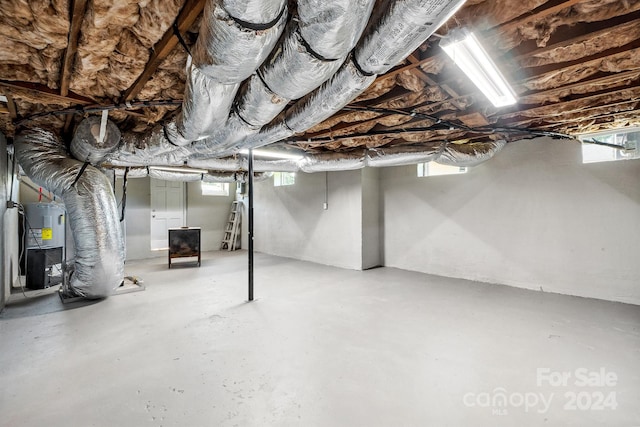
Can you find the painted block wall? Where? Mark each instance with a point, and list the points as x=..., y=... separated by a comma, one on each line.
x=207, y=212
x=290, y=221
x=533, y=217
x=4, y=196
x=371, y=230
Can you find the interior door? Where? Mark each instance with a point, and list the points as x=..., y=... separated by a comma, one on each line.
x=167, y=210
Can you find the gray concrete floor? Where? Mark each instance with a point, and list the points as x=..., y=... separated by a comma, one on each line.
x=321, y=346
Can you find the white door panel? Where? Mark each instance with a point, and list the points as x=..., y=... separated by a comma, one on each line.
x=167, y=210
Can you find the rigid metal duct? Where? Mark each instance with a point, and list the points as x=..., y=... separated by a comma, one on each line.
x=91, y=207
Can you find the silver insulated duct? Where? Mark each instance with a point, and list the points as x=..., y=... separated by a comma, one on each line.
x=91, y=207
x=397, y=32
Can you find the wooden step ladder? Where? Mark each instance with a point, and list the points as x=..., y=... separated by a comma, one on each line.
x=230, y=239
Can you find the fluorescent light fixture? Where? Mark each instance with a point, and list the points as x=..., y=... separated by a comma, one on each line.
x=271, y=154
x=178, y=169
x=468, y=54
x=3, y=98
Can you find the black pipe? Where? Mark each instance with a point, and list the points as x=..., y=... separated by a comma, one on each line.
x=250, y=181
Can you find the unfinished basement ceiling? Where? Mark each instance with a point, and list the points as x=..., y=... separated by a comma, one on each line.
x=574, y=65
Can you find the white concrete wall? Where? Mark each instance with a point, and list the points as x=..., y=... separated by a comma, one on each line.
x=207, y=212
x=371, y=230
x=533, y=217
x=210, y=213
x=290, y=221
x=4, y=196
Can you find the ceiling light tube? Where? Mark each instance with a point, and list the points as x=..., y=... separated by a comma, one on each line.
x=273, y=154
x=178, y=169
x=467, y=53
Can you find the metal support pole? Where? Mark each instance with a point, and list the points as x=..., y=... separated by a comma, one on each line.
x=250, y=180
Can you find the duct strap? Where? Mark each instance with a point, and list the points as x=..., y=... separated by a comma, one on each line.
x=176, y=32
x=124, y=193
x=258, y=27
x=80, y=172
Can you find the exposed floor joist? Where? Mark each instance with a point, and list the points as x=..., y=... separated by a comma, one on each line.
x=189, y=13
x=78, y=9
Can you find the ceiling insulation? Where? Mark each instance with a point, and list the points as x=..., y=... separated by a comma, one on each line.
x=574, y=64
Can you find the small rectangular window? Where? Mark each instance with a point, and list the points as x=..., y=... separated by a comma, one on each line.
x=611, y=145
x=436, y=169
x=214, y=188
x=283, y=178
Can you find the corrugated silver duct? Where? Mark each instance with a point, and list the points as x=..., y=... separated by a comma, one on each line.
x=403, y=155
x=86, y=145
x=236, y=177
x=400, y=30
x=175, y=176
x=226, y=138
x=148, y=149
x=329, y=162
x=471, y=154
x=332, y=28
x=223, y=177
x=281, y=165
x=205, y=107
x=334, y=94
x=236, y=36
x=133, y=172
x=215, y=164
x=293, y=70
x=257, y=104
x=268, y=135
x=91, y=208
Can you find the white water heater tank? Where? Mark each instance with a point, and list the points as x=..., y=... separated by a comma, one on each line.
x=45, y=225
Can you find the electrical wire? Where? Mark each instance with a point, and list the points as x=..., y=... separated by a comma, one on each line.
x=98, y=108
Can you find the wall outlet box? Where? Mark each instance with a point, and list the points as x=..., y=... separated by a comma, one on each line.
x=325, y=206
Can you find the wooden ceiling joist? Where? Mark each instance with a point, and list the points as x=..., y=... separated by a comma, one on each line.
x=187, y=16
x=586, y=32
x=593, y=81
x=541, y=12
x=78, y=9
x=45, y=91
x=594, y=100
x=560, y=120
x=11, y=105
x=544, y=69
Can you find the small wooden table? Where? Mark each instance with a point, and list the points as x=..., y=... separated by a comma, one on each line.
x=184, y=242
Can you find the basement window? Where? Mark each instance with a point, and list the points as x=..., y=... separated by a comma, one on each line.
x=283, y=178
x=436, y=169
x=214, y=188
x=611, y=145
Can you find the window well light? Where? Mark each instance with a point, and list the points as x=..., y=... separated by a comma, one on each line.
x=468, y=54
